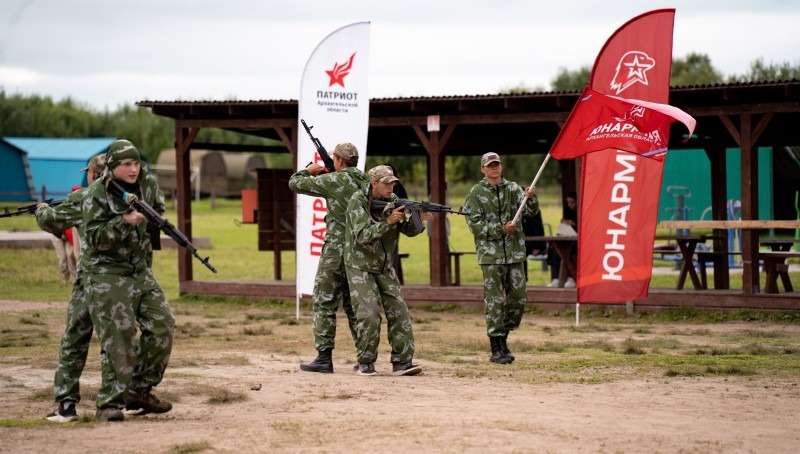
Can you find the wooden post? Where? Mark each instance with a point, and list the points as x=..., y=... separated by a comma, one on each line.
x=749, y=169
x=439, y=260
x=183, y=141
x=717, y=158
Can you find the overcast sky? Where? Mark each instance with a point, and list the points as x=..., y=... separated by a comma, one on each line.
x=106, y=53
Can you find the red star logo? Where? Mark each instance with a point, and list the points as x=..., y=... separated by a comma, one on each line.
x=338, y=73
x=637, y=64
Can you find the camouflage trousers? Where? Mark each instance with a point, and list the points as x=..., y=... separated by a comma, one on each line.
x=504, y=295
x=330, y=286
x=116, y=304
x=371, y=293
x=74, y=346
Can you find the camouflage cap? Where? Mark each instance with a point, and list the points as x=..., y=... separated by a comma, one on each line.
x=383, y=174
x=119, y=151
x=346, y=151
x=97, y=164
x=488, y=158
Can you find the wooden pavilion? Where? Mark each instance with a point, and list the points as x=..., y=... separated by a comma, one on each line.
x=745, y=116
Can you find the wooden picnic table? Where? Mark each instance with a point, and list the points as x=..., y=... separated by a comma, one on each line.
x=687, y=245
x=750, y=249
x=779, y=244
x=731, y=224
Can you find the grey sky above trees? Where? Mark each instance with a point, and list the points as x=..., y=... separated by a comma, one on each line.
x=108, y=54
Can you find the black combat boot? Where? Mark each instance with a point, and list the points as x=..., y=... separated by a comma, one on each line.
x=497, y=351
x=504, y=346
x=323, y=363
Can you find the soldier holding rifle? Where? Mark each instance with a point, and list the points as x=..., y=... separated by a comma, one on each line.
x=371, y=237
x=121, y=289
x=330, y=283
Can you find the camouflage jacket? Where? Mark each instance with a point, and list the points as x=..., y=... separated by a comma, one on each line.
x=60, y=218
x=369, y=239
x=489, y=208
x=337, y=189
x=112, y=245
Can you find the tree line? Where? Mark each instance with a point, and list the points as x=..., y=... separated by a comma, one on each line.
x=41, y=116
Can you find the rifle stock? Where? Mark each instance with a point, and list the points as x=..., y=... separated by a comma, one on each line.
x=321, y=151
x=160, y=222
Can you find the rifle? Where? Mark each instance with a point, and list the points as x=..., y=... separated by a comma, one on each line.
x=29, y=209
x=415, y=207
x=321, y=151
x=157, y=220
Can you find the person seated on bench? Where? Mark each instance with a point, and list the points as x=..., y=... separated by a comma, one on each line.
x=570, y=219
x=536, y=250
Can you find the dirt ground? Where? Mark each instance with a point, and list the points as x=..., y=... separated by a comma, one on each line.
x=441, y=410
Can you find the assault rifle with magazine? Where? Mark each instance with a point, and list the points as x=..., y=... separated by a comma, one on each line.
x=414, y=208
x=157, y=220
x=28, y=209
x=321, y=151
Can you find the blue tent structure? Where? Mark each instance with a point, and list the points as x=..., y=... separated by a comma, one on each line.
x=54, y=164
x=16, y=183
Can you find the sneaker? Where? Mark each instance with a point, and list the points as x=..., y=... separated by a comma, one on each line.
x=367, y=369
x=355, y=367
x=536, y=256
x=570, y=283
x=109, y=414
x=64, y=413
x=140, y=404
x=405, y=369
x=553, y=284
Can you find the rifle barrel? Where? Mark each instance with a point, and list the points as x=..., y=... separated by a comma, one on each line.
x=163, y=224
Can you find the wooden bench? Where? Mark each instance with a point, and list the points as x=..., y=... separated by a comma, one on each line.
x=456, y=256
x=775, y=266
x=704, y=257
x=661, y=251
x=668, y=253
x=399, y=270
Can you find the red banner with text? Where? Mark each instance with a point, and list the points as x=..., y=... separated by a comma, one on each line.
x=620, y=190
x=600, y=121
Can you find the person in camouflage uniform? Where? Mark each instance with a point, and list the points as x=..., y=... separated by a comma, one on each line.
x=500, y=247
x=121, y=289
x=330, y=283
x=78, y=332
x=66, y=257
x=370, y=239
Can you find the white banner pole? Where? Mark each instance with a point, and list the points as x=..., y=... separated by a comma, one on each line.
x=533, y=183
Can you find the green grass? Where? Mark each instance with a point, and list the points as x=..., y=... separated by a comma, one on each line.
x=225, y=396
x=186, y=448
x=31, y=274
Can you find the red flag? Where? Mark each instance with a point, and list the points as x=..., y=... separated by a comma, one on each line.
x=599, y=121
x=620, y=190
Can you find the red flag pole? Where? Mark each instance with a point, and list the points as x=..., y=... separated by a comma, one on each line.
x=533, y=184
